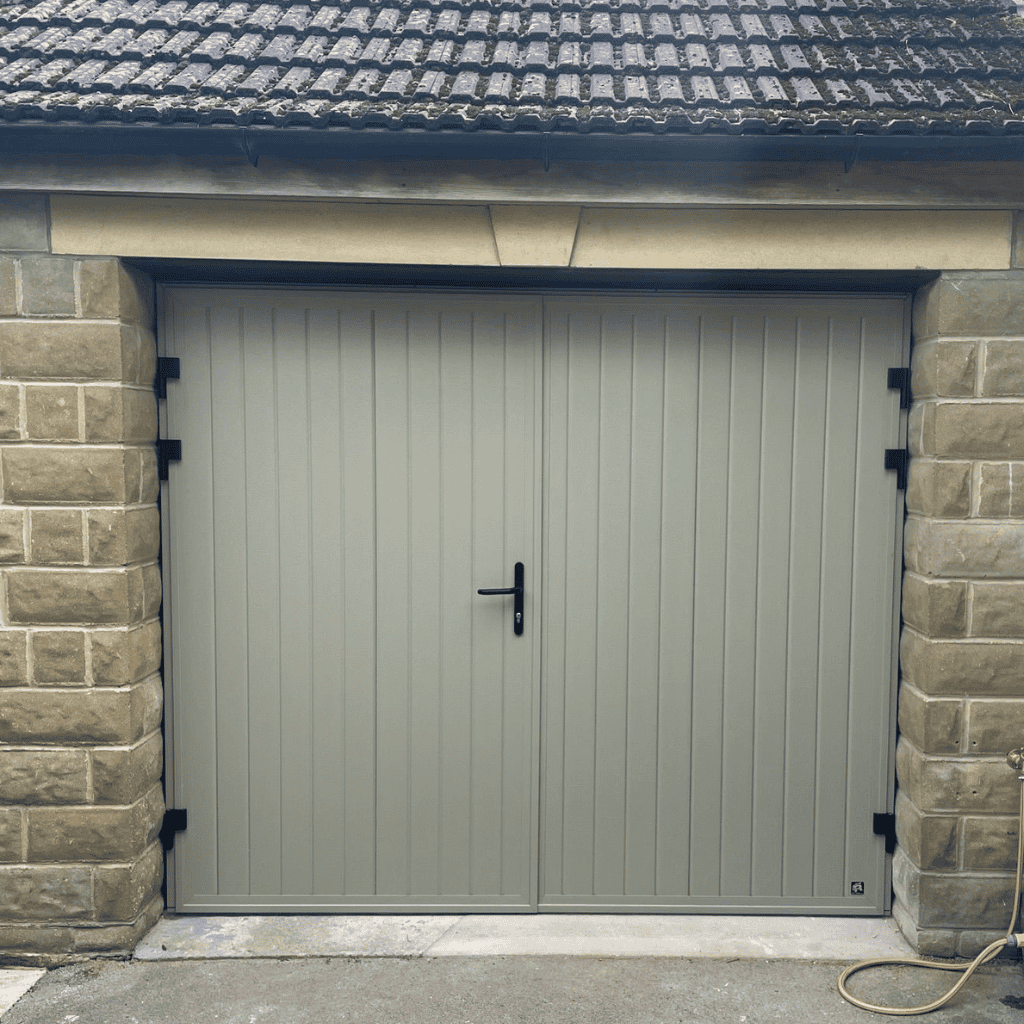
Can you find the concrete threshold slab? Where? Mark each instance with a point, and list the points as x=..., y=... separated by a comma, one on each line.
x=14, y=983
x=593, y=935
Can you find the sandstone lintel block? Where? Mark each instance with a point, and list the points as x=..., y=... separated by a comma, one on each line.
x=24, y=222
x=10, y=412
x=971, y=304
x=12, y=536
x=973, y=549
x=962, y=667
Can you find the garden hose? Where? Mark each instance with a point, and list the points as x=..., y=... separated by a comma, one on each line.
x=1015, y=759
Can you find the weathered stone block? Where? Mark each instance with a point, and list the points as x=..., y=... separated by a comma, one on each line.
x=1017, y=254
x=994, y=727
x=123, y=536
x=58, y=656
x=51, y=412
x=68, y=350
x=48, y=286
x=990, y=844
x=24, y=222
x=977, y=430
x=125, y=656
x=997, y=609
x=122, y=774
x=1000, y=490
x=46, y=893
x=10, y=411
x=992, y=668
x=110, y=290
x=941, y=489
x=147, y=481
x=12, y=535
x=937, y=547
x=56, y=537
x=935, y=607
x=1004, y=368
x=10, y=835
x=86, y=715
x=933, y=724
x=120, y=414
x=99, y=597
x=944, y=368
x=147, y=707
x=927, y=941
x=121, y=891
x=971, y=304
x=8, y=288
x=67, y=475
x=13, y=657
x=930, y=840
x=94, y=833
x=944, y=785
x=43, y=776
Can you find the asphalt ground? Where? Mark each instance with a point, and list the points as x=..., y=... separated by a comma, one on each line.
x=498, y=990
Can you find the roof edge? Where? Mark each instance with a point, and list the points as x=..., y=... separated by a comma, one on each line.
x=413, y=143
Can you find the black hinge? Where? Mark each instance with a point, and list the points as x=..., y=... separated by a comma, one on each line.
x=885, y=825
x=899, y=380
x=167, y=451
x=897, y=458
x=175, y=820
x=170, y=367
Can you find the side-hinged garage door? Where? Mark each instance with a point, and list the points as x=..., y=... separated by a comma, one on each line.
x=687, y=705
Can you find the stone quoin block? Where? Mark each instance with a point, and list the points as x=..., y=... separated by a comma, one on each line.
x=43, y=776
x=94, y=833
x=11, y=851
x=71, y=597
x=109, y=290
x=944, y=368
x=56, y=536
x=973, y=901
x=70, y=475
x=976, y=430
x=994, y=727
x=10, y=412
x=70, y=350
x=935, y=607
x=120, y=657
x=123, y=536
x=1003, y=374
x=930, y=840
x=937, y=784
x=58, y=657
x=120, y=414
x=51, y=412
x=941, y=489
x=959, y=667
x=8, y=288
x=48, y=286
x=12, y=535
x=13, y=657
x=99, y=716
x=1000, y=490
x=951, y=548
x=990, y=843
x=121, y=775
x=997, y=609
x=971, y=305
x=122, y=890
x=39, y=893
x=933, y=724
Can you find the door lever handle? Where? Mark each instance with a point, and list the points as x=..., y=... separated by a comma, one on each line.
x=517, y=590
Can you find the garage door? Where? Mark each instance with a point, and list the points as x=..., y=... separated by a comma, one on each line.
x=688, y=705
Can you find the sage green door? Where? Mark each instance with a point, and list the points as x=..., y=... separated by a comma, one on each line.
x=699, y=713
x=353, y=725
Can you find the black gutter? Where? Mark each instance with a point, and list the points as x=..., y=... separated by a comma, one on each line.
x=460, y=144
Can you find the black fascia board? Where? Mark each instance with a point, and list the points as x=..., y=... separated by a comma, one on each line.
x=453, y=144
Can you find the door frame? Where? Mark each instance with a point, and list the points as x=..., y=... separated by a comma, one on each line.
x=621, y=293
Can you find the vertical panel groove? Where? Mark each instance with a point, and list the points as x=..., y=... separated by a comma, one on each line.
x=376, y=596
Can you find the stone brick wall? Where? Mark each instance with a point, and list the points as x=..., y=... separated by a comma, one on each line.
x=80, y=695
x=962, y=650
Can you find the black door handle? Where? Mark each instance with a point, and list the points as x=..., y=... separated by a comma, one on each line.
x=517, y=590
